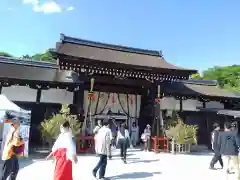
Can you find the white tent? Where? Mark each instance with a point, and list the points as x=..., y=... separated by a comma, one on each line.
x=7, y=105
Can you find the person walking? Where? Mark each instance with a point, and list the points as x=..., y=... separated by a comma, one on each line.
x=215, y=147
x=134, y=134
x=229, y=145
x=235, y=131
x=123, y=140
x=146, y=137
x=64, y=152
x=13, y=147
x=102, y=144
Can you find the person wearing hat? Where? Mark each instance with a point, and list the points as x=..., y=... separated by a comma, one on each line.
x=215, y=147
x=12, y=149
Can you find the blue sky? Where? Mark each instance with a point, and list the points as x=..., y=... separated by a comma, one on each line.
x=195, y=34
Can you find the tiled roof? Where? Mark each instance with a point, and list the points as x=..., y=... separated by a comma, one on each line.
x=114, y=54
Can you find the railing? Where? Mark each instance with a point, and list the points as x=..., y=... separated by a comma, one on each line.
x=179, y=148
x=85, y=144
x=160, y=144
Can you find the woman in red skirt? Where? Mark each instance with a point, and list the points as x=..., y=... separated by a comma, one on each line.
x=64, y=152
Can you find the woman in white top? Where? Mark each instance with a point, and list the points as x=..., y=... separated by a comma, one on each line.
x=123, y=140
x=134, y=134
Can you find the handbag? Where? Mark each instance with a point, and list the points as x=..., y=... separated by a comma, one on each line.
x=143, y=137
x=18, y=150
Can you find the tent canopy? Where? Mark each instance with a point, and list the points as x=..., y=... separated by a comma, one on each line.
x=7, y=105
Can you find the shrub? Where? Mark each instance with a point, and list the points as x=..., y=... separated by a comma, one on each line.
x=50, y=128
x=182, y=133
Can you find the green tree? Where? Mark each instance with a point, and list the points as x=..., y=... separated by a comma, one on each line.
x=5, y=54
x=50, y=128
x=46, y=56
x=228, y=77
x=196, y=76
x=26, y=56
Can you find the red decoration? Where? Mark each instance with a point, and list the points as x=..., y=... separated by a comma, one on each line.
x=113, y=99
x=91, y=95
x=131, y=99
x=158, y=100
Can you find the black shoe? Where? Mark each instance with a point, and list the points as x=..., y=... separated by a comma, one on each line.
x=110, y=157
x=212, y=168
x=230, y=172
x=94, y=174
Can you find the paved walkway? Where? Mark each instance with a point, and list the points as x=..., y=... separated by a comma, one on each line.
x=141, y=165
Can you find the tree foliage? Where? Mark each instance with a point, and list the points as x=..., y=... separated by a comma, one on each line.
x=50, y=128
x=46, y=56
x=182, y=133
x=5, y=54
x=228, y=77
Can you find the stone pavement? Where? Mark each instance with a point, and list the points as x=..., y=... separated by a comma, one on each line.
x=141, y=165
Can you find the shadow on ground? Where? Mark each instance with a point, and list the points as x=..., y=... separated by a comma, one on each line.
x=22, y=164
x=128, y=155
x=143, y=161
x=135, y=175
x=208, y=153
x=128, y=159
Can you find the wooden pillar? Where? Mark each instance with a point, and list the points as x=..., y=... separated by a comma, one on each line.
x=181, y=104
x=38, y=97
x=78, y=98
x=204, y=104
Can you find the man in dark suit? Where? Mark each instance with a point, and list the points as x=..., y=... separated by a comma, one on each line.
x=215, y=146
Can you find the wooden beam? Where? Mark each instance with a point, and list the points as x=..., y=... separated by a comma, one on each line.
x=114, y=89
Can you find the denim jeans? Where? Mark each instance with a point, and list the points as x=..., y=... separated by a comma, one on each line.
x=101, y=166
x=123, y=148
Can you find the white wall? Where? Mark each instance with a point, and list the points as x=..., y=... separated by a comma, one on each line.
x=60, y=96
x=20, y=93
x=170, y=103
x=214, y=104
x=191, y=105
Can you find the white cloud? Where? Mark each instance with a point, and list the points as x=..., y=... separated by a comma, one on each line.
x=70, y=8
x=33, y=2
x=10, y=9
x=47, y=7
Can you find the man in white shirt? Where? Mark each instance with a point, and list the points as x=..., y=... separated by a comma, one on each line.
x=102, y=144
x=98, y=126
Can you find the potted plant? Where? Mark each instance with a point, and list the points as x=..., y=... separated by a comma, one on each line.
x=50, y=128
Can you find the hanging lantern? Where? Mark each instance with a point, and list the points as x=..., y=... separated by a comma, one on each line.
x=113, y=98
x=131, y=99
x=158, y=99
x=91, y=94
x=92, y=84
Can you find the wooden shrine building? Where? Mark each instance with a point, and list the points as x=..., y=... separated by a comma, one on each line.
x=140, y=83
